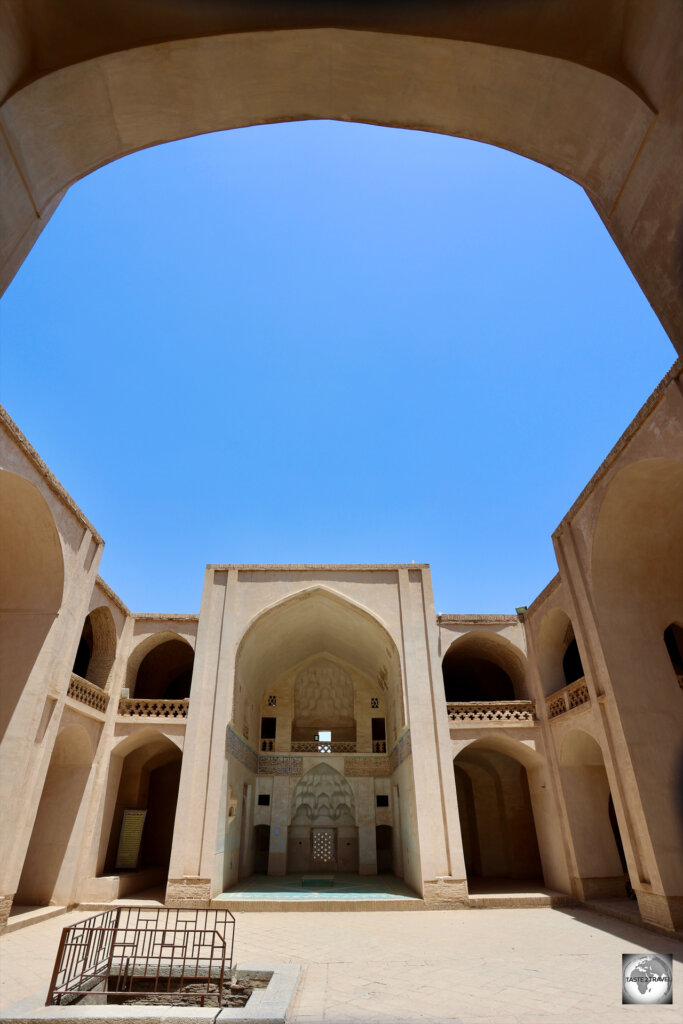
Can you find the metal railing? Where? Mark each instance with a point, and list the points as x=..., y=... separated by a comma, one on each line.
x=133, y=707
x=87, y=693
x=139, y=952
x=491, y=711
x=571, y=696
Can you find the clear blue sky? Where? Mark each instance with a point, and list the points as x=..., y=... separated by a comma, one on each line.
x=325, y=342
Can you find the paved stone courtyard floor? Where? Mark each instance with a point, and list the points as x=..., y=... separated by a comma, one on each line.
x=521, y=966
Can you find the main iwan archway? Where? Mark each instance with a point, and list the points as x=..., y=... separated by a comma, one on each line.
x=590, y=94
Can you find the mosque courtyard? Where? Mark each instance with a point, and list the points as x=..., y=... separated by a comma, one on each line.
x=530, y=966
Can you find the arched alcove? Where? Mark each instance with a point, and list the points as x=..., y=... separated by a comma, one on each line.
x=483, y=666
x=316, y=675
x=160, y=668
x=144, y=775
x=97, y=647
x=315, y=662
x=31, y=584
x=46, y=878
x=323, y=833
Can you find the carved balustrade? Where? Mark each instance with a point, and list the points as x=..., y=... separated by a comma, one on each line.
x=87, y=693
x=323, y=747
x=133, y=707
x=569, y=697
x=379, y=746
x=492, y=712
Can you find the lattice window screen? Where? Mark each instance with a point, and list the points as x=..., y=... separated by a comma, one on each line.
x=322, y=841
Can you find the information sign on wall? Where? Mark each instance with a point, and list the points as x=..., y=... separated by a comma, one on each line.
x=128, y=853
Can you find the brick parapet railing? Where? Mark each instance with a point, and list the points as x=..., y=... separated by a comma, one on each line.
x=569, y=697
x=133, y=707
x=87, y=693
x=492, y=711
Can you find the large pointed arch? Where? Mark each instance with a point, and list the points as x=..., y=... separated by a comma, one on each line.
x=590, y=120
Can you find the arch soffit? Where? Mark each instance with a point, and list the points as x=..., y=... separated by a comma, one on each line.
x=525, y=753
x=298, y=603
x=72, y=745
x=33, y=558
x=157, y=741
x=581, y=748
x=623, y=542
x=148, y=95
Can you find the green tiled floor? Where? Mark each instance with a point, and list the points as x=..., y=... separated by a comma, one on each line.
x=344, y=887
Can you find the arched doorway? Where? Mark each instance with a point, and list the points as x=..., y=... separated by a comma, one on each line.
x=144, y=778
x=96, y=648
x=49, y=865
x=596, y=839
x=385, y=842
x=31, y=585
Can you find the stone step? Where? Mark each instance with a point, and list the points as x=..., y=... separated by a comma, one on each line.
x=22, y=917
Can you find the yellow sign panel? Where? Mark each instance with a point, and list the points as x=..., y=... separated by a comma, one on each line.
x=128, y=853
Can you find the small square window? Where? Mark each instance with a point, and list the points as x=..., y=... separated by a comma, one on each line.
x=264, y=799
x=272, y=701
x=382, y=800
x=374, y=702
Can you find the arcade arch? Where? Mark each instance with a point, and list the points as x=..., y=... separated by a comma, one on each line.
x=637, y=583
x=96, y=648
x=508, y=821
x=31, y=584
x=496, y=817
x=49, y=864
x=482, y=666
x=559, y=658
x=596, y=839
